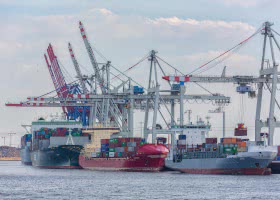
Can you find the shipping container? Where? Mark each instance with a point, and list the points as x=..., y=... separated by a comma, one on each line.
x=228, y=140
x=93, y=154
x=182, y=137
x=104, y=145
x=241, y=144
x=182, y=142
x=131, y=144
x=104, y=149
x=240, y=132
x=211, y=140
x=241, y=149
x=119, y=149
x=130, y=149
x=230, y=150
x=111, y=154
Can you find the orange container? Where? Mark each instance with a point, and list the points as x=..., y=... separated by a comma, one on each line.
x=241, y=144
x=126, y=149
x=229, y=141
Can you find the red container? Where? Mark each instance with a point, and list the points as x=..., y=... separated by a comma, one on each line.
x=181, y=146
x=211, y=140
x=278, y=150
x=240, y=132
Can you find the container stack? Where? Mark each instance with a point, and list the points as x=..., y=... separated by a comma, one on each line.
x=161, y=140
x=182, y=142
x=210, y=144
x=26, y=140
x=230, y=145
x=60, y=133
x=118, y=147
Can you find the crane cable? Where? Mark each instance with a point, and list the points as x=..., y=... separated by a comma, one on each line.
x=229, y=50
x=176, y=70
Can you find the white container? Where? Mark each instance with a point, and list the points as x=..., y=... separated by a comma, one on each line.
x=94, y=155
x=97, y=150
x=130, y=149
x=182, y=142
x=111, y=154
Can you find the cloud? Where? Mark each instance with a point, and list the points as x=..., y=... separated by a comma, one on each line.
x=122, y=38
x=243, y=3
x=175, y=21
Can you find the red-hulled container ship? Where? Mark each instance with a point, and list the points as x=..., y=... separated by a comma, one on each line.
x=125, y=154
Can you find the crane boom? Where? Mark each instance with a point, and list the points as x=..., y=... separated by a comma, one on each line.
x=77, y=68
x=92, y=58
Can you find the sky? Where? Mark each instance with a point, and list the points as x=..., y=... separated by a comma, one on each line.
x=187, y=34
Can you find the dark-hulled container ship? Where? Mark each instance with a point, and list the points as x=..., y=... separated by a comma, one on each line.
x=275, y=164
x=26, y=145
x=57, y=144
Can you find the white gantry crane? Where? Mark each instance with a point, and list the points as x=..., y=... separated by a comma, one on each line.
x=268, y=77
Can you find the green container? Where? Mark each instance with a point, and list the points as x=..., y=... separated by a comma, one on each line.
x=124, y=144
x=111, y=141
x=230, y=149
x=97, y=154
x=111, y=149
x=119, y=154
x=141, y=143
x=115, y=140
x=107, y=154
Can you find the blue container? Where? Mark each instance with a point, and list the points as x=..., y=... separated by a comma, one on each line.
x=143, y=140
x=208, y=146
x=104, y=145
x=182, y=137
x=222, y=140
x=278, y=158
x=104, y=149
x=138, y=90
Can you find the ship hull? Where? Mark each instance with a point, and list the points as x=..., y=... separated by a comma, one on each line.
x=25, y=156
x=61, y=157
x=275, y=167
x=229, y=166
x=151, y=163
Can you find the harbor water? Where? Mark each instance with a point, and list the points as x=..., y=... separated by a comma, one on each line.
x=26, y=182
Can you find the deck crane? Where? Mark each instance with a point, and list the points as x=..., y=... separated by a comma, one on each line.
x=268, y=76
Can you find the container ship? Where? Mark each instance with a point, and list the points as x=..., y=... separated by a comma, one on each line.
x=57, y=143
x=275, y=164
x=26, y=146
x=195, y=153
x=123, y=154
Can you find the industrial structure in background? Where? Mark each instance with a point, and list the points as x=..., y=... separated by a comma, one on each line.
x=93, y=99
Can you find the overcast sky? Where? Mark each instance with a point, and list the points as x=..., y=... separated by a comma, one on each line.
x=185, y=33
